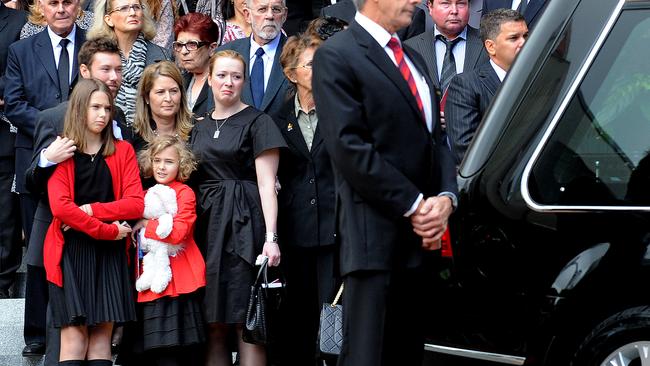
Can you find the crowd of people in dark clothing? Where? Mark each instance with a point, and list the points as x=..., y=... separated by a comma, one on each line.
x=213, y=132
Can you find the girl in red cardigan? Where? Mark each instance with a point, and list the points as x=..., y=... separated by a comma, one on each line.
x=173, y=325
x=85, y=251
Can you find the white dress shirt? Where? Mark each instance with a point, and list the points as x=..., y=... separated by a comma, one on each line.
x=268, y=56
x=56, y=47
x=516, y=3
x=458, y=51
x=501, y=73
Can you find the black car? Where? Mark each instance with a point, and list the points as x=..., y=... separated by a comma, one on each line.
x=551, y=240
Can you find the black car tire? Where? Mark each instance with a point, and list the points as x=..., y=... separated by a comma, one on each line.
x=623, y=331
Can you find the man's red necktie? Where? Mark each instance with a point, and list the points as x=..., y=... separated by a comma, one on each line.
x=395, y=46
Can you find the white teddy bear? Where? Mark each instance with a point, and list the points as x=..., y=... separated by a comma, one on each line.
x=159, y=203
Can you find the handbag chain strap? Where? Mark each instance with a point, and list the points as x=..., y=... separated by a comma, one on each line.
x=338, y=296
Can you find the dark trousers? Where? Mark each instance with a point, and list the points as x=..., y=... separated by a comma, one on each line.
x=312, y=280
x=383, y=318
x=36, y=297
x=10, y=232
x=28, y=204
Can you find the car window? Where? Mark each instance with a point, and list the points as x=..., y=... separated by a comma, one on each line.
x=599, y=152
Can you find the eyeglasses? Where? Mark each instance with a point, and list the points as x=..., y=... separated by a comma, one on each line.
x=124, y=9
x=189, y=45
x=306, y=66
x=276, y=10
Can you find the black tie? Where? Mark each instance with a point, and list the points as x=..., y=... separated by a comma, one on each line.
x=522, y=6
x=64, y=69
x=448, y=63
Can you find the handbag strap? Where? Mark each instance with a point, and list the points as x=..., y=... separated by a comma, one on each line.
x=262, y=273
x=338, y=296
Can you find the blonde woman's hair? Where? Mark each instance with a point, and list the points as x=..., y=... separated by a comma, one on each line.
x=76, y=117
x=228, y=54
x=143, y=119
x=101, y=29
x=186, y=163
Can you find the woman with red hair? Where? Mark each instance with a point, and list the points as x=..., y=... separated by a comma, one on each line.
x=196, y=37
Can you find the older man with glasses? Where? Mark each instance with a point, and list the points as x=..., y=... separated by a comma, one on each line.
x=266, y=85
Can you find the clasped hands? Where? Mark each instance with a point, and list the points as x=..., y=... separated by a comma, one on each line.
x=430, y=220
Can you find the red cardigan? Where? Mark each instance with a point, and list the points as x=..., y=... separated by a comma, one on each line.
x=188, y=266
x=128, y=205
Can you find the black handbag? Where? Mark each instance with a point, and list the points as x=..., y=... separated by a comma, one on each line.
x=263, y=307
x=331, y=326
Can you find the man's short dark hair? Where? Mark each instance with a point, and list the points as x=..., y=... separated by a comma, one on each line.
x=491, y=22
x=93, y=46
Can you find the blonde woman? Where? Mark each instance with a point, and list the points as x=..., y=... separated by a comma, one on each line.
x=161, y=105
x=130, y=24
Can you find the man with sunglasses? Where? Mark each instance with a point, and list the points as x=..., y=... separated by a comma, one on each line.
x=266, y=85
x=40, y=72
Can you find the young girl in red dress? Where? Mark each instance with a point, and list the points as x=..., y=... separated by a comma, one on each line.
x=172, y=320
x=85, y=249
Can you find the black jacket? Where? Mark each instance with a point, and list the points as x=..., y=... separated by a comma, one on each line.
x=382, y=152
x=306, y=200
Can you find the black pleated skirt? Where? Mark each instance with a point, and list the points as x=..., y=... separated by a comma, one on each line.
x=96, y=287
x=173, y=321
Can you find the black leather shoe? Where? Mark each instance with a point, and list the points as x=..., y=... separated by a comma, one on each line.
x=34, y=350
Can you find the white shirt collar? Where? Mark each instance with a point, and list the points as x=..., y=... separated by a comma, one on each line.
x=462, y=34
x=501, y=73
x=377, y=32
x=56, y=39
x=269, y=48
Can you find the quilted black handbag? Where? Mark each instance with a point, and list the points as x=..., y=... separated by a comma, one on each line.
x=263, y=307
x=331, y=326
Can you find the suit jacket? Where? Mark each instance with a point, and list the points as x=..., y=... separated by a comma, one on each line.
x=49, y=125
x=533, y=9
x=468, y=97
x=11, y=22
x=424, y=45
x=383, y=154
x=203, y=100
x=275, y=94
x=345, y=10
x=306, y=200
x=32, y=85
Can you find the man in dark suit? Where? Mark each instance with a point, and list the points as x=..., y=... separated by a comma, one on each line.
x=394, y=179
x=531, y=9
x=452, y=46
x=40, y=71
x=11, y=21
x=99, y=59
x=266, y=85
x=345, y=10
x=504, y=33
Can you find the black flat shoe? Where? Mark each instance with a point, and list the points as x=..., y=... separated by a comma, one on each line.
x=34, y=350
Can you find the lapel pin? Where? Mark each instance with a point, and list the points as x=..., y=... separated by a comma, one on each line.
x=290, y=127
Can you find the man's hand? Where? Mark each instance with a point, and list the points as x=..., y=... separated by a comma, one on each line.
x=430, y=220
x=60, y=150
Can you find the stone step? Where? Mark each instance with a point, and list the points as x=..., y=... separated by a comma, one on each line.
x=11, y=334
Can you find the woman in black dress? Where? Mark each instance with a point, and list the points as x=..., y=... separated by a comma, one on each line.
x=85, y=252
x=237, y=148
